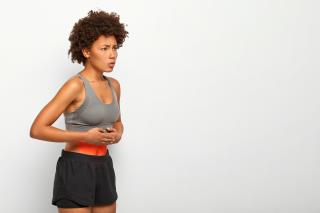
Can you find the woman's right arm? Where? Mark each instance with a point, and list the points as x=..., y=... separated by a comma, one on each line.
x=41, y=127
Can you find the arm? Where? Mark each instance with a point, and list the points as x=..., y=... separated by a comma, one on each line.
x=41, y=127
x=117, y=124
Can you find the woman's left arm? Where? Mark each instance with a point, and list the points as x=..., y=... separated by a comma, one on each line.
x=117, y=124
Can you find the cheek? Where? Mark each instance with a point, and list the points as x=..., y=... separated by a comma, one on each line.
x=98, y=60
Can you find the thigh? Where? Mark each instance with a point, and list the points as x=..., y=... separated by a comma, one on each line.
x=105, y=193
x=111, y=208
x=74, y=181
x=75, y=210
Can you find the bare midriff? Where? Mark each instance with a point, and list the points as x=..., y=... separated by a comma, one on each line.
x=87, y=148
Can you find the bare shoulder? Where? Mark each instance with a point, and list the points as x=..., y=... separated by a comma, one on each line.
x=116, y=84
x=67, y=93
x=74, y=84
x=69, y=90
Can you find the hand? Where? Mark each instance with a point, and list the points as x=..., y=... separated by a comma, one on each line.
x=114, y=135
x=97, y=136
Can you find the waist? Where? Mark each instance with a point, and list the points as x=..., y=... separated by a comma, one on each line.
x=87, y=148
x=77, y=155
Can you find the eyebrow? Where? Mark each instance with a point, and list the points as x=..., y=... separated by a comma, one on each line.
x=109, y=45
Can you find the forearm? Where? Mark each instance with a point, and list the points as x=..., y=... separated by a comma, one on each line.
x=53, y=134
x=119, y=127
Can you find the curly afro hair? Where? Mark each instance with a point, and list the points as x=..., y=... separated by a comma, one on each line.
x=90, y=28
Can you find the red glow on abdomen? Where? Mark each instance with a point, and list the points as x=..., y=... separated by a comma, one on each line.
x=90, y=149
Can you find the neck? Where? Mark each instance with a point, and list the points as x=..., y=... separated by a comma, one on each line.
x=92, y=74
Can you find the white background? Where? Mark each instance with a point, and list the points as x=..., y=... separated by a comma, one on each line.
x=220, y=104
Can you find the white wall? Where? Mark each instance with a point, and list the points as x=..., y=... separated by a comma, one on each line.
x=219, y=103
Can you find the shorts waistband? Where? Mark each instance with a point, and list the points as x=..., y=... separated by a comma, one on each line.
x=77, y=155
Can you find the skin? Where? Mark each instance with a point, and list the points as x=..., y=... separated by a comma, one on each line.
x=70, y=97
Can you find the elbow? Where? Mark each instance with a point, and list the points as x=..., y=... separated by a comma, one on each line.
x=34, y=132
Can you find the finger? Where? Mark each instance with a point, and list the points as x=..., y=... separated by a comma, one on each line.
x=109, y=140
x=108, y=135
x=111, y=129
x=105, y=135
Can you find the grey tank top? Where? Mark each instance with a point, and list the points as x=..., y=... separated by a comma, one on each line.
x=93, y=112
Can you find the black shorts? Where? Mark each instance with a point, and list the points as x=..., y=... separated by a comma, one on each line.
x=83, y=180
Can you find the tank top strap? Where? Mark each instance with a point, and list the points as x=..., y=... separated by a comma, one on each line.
x=82, y=78
x=112, y=88
x=87, y=86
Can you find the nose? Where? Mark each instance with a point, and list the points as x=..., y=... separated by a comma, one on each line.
x=112, y=54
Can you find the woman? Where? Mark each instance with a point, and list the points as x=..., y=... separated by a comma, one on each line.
x=85, y=178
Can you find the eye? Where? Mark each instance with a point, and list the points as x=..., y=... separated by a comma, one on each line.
x=104, y=48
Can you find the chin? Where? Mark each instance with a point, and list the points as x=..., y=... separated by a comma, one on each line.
x=106, y=70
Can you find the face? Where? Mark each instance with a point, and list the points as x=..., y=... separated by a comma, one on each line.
x=102, y=54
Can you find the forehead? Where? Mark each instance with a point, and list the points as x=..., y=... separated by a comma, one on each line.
x=109, y=40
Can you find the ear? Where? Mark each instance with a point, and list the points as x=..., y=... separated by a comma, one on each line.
x=86, y=52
